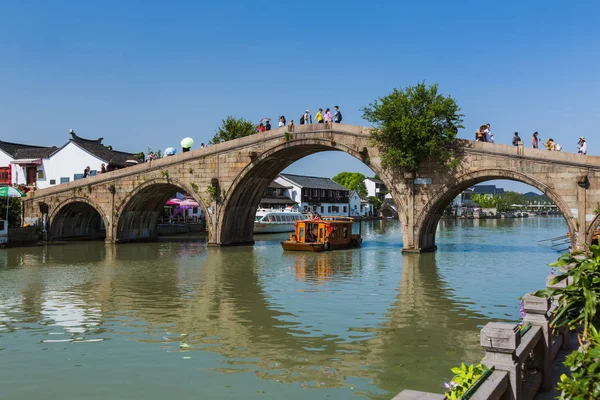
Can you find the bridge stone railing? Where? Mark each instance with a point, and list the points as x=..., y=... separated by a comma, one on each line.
x=522, y=358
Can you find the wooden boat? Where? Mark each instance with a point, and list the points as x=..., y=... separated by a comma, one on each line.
x=325, y=233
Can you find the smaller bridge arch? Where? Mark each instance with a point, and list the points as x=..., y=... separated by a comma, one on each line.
x=138, y=213
x=431, y=213
x=78, y=218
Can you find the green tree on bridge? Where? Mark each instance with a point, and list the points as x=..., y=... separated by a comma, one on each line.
x=233, y=128
x=352, y=181
x=413, y=125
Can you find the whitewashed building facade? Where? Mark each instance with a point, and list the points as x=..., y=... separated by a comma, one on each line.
x=317, y=194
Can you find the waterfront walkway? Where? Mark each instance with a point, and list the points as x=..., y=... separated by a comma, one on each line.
x=558, y=369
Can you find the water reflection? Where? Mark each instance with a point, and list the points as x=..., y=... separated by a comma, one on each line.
x=365, y=321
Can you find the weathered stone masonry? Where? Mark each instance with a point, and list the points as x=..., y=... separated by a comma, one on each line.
x=227, y=180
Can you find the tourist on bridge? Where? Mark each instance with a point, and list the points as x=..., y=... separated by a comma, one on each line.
x=319, y=116
x=535, y=140
x=516, y=139
x=306, y=118
x=102, y=168
x=550, y=145
x=582, y=146
x=489, y=136
x=337, y=116
x=480, y=134
x=281, y=121
x=327, y=116
x=261, y=127
x=86, y=171
x=268, y=125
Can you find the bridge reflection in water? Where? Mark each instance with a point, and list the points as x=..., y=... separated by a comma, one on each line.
x=368, y=321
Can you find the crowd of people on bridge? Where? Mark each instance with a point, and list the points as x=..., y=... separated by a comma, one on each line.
x=306, y=118
x=484, y=134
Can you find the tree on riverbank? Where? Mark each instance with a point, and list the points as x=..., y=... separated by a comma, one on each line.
x=14, y=211
x=233, y=128
x=352, y=181
x=413, y=125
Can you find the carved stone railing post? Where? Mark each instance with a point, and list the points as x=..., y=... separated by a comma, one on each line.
x=537, y=310
x=500, y=341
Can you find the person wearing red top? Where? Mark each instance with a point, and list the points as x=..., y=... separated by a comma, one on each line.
x=261, y=128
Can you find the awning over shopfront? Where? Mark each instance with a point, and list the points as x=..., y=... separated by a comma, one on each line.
x=27, y=161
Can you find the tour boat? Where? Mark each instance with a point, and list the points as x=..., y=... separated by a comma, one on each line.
x=276, y=221
x=325, y=233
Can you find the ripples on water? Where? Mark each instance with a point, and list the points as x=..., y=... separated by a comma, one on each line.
x=180, y=320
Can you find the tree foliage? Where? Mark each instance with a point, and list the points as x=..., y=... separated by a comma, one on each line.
x=14, y=211
x=484, y=200
x=413, y=125
x=352, y=181
x=376, y=203
x=233, y=128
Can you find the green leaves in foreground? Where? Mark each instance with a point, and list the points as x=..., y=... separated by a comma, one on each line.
x=413, y=125
x=578, y=301
x=464, y=378
x=578, y=305
x=585, y=370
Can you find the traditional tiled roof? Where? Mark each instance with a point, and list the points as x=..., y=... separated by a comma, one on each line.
x=112, y=157
x=313, y=182
x=277, y=200
x=33, y=151
x=41, y=152
x=276, y=185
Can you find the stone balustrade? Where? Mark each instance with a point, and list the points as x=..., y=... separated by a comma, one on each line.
x=522, y=358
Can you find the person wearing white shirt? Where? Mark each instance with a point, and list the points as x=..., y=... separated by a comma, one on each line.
x=582, y=146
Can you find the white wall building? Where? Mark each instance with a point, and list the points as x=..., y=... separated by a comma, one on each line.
x=43, y=167
x=317, y=194
x=377, y=188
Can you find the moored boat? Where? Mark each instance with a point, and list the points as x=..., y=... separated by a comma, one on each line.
x=326, y=233
x=276, y=221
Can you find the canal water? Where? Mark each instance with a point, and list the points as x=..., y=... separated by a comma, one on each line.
x=179, y=320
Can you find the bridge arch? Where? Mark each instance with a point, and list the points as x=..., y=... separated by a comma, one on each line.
x=138, y=213
x=78, y=218
x=239, y=208
x=427, y=221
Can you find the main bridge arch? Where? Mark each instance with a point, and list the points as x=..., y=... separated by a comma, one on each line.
x=244, y=195
x=137, y=215
x=432, y=211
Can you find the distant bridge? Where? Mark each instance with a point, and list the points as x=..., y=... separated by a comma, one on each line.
x=228, y=180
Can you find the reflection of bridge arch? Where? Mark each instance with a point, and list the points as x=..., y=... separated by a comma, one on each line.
x=78, y=218
x=431, y=213
x=138, y=213
x=246, y=190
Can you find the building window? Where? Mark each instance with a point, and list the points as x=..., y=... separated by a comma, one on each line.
x=5, y=175
x=328, y=209
x=335, y=209
x=75, y=177
x=322, y=209
x=53, y=181
x=64, y=180
x=40, y=174
x=345, y=210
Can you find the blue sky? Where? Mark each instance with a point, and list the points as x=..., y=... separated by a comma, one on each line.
x=148, y=73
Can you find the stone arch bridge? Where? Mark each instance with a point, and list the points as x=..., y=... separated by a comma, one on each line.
x=228, y=180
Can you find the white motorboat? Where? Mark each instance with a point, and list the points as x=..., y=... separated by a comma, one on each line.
x=276, y=221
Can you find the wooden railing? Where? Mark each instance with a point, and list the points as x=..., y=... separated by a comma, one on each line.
x=522, y=357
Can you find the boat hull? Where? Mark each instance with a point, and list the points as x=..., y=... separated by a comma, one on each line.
x=275, y=227
x=289, y=245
